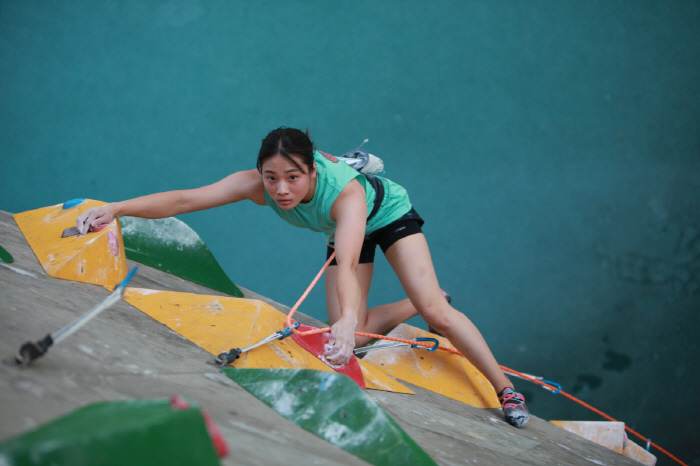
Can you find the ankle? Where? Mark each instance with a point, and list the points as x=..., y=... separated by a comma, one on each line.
x=504, y=390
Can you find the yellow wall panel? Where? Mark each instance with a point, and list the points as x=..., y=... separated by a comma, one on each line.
x=218, y=324
x=439, y=371
x=376, y=379
x=97, y=258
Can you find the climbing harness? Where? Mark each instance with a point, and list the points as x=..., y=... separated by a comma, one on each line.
x=226, y=358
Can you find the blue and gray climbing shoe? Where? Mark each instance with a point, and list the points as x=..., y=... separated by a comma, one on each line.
x=514, y=408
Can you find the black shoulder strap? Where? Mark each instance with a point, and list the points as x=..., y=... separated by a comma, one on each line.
x=379, y=194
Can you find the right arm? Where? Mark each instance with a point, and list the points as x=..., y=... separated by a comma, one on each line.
x=236, y=187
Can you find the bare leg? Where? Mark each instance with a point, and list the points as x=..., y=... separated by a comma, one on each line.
x=410, y=259
x=377, y=320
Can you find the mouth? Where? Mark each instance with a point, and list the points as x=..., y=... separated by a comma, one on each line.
x=284, y=202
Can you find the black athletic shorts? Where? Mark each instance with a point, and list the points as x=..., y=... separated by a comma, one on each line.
x=404, y=226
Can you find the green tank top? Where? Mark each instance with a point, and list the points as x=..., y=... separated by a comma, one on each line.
x=333, y=176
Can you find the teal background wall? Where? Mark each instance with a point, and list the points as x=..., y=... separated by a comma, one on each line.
x=552, y=146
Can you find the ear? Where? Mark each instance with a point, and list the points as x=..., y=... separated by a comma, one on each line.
x=313, y=171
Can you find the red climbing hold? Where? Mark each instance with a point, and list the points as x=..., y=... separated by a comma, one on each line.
x=314, y=344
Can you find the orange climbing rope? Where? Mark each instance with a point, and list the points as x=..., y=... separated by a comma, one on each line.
x=454, y=351
x=303, y=297
x=595, y=410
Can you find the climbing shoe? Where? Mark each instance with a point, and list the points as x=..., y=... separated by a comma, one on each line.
x=514, y=408
x=448, y=298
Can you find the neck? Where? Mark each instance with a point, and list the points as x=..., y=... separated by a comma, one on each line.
x=312, y=190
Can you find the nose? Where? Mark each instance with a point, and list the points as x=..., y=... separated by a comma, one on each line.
x=282, y=187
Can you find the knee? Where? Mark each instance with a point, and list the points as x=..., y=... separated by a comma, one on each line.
x=439, y=316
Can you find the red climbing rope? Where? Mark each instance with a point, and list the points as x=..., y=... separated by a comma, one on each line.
x=454, y=351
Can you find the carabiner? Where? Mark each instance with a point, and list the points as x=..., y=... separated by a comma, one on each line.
x=554, y=384
x=434, y=340
x=288, y=331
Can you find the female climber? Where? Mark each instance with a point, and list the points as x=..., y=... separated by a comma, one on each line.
x=313, y=190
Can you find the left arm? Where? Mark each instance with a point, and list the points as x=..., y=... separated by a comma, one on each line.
x=349, y=211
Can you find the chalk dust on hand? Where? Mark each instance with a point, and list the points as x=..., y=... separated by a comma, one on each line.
x=331, y=351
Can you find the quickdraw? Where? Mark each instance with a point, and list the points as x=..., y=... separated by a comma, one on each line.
x=226, y=358
x=548, y=385
x=396, y=344
x=32, y=350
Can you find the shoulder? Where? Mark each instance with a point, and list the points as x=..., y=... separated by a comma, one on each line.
x=351, y=198
x=255, y=186
x=245, y=184
x=334, y=171
x=325, y=156
x=331, y=163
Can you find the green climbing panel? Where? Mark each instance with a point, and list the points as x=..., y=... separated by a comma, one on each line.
x=142, y=432
x=172, y=246
x=333, y=407
x=5, y=256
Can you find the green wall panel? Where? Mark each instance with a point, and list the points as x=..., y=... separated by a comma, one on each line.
x=137, y=433
x=333, y=407
x=172, y=246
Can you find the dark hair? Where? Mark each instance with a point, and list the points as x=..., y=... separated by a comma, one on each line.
x=287, y=142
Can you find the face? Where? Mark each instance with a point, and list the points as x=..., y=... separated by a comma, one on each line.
x=286, y=184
